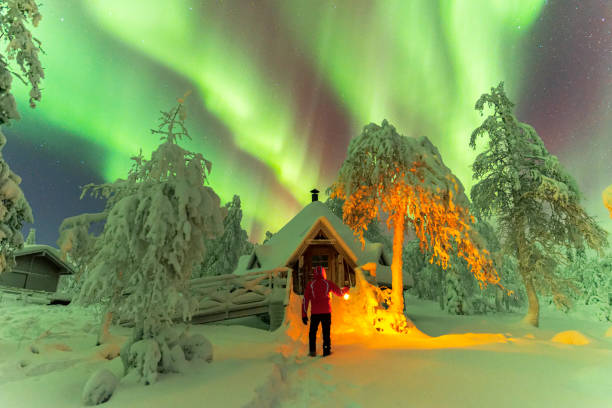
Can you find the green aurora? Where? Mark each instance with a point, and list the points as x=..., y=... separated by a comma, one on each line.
x=257, y=71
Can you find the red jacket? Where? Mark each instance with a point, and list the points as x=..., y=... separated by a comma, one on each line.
x=317, y=292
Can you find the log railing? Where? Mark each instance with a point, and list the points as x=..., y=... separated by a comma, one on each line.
x=231, y=296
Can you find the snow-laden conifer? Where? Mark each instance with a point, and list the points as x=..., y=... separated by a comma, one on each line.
x=535, y=201
x=222, y=253
x=153, y=238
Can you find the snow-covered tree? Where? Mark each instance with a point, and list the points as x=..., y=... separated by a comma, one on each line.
x=19, y=58
x=152, y=240
x=77, y=246
x=222, y=253
x=455, y=296
x=534, y=200
x=591, y=276
x=406, y=179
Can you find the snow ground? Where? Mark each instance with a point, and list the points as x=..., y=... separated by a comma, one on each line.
x=461, y=366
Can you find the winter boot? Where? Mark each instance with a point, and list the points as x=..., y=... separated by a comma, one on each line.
x=326, y=351
x=312, y=354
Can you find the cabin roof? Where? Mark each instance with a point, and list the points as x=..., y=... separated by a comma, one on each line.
x=52, y=254
x=282, y=247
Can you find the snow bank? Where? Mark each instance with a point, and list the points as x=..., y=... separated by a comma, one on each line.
x=573, y=337
x=468, y=359
x=99, y=388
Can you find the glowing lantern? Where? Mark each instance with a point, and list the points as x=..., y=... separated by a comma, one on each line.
x=346, y=296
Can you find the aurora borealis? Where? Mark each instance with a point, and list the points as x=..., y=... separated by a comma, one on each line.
x=280, y=87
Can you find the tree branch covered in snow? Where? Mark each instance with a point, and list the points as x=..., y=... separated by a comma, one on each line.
x=22, y=49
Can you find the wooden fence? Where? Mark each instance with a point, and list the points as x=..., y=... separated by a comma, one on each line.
x=231, y=296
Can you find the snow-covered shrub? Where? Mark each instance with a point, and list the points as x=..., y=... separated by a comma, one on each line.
x=152, y=240
x=168, y=352
x=99, y=388
x=143, y=359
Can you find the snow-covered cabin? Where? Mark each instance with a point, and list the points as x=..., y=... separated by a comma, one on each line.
x=38, y=268
x=316, y=236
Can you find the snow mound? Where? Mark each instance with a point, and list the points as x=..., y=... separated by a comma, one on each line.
x=197, y=347
x=99, y=388
x=571, y=337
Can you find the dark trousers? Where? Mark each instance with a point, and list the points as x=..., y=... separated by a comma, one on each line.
x=325, y=320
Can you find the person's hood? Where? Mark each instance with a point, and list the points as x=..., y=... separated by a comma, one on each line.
x=319, y=273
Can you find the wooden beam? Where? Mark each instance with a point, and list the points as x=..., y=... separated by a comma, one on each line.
x=321, y=241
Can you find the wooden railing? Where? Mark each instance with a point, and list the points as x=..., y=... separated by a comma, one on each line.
x=41, y=297
x=231, y=296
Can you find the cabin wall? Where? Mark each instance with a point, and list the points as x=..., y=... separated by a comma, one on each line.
x=33, y=271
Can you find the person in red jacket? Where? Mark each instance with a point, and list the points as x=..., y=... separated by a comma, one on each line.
x=317, y=293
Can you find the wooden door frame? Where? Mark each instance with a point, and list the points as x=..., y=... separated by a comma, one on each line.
x=312, y=250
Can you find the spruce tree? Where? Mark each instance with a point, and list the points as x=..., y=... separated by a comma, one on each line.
x=152, y=240
x=222, y=253
x=534, y=200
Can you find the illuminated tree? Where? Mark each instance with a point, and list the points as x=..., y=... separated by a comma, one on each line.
x=21, y=59
x=607, y=198
x=406, y=179
x=534, y=200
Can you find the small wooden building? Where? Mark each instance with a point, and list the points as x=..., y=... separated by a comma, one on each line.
x=317, y=237
x=38, y=268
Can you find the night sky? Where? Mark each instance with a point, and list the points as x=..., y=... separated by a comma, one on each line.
x=280, y=87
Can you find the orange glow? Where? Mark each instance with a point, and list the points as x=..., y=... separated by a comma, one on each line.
x=607, y=198
x=572, y=337
x=363, y=319
x=437, y=219
x=346, y=296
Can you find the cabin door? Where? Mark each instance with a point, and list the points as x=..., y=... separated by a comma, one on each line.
x=325, y=256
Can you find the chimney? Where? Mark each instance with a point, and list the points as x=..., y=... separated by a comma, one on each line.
x=315, y=194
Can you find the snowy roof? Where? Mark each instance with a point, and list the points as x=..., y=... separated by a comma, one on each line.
x=52, y=253
x=283, y=247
